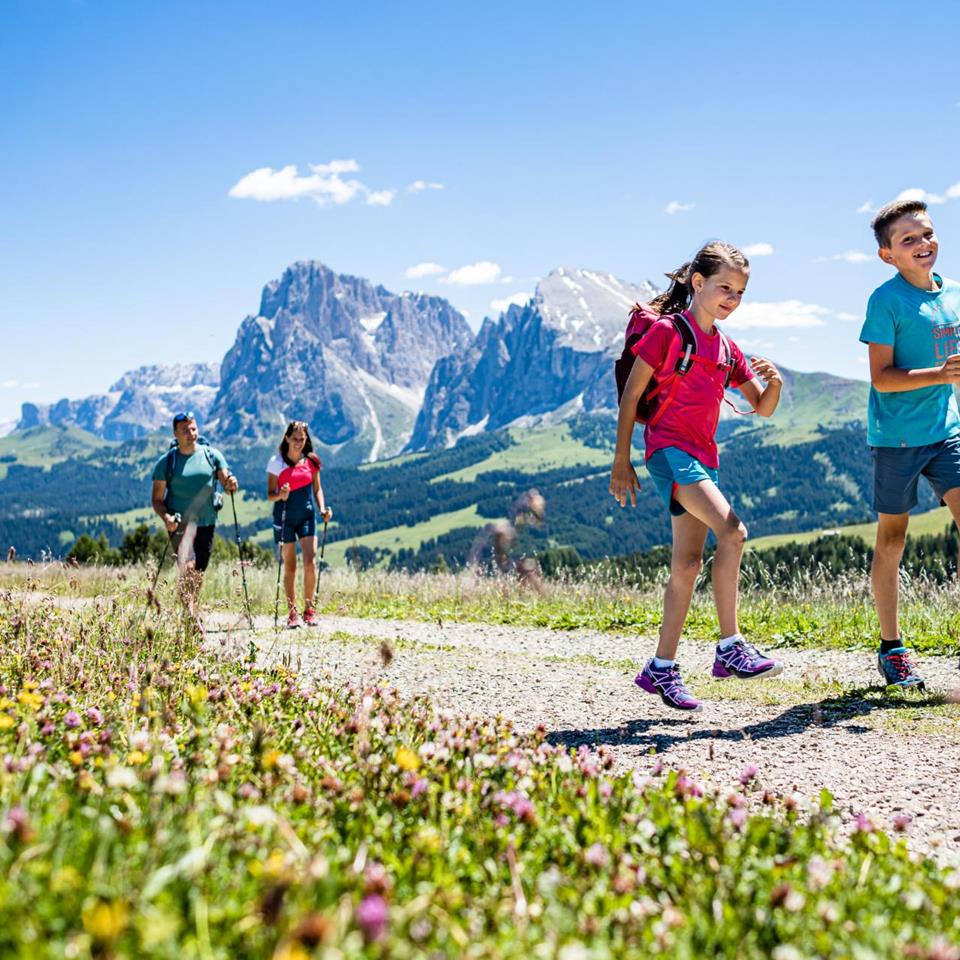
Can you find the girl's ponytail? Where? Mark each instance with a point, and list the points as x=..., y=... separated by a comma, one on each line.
x=678, y=295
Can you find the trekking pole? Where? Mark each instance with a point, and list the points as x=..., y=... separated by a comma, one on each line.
x=276, y=602
x=316, y=579
x=243, y=573
x=163, y=558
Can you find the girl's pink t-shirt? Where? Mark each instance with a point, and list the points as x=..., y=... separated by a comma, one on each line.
x=690, y=422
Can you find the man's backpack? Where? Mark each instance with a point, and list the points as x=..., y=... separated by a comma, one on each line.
x=171, y=465
x=639, y=323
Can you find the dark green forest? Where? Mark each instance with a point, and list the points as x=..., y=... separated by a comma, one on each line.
x=822, y=483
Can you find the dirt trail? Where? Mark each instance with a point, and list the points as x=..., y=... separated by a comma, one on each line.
x=881, y=755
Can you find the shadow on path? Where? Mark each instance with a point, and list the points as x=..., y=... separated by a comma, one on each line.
x=650, y=733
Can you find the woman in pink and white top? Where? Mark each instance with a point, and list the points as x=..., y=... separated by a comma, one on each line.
x=687, y=363
x=293, y=485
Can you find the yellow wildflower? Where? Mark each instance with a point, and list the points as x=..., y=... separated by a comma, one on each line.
x=407, y=759
x=6, y=721
x=76, y=757
x=136, y=757
x=270, y=759
x=105, y=921
x=32, y=700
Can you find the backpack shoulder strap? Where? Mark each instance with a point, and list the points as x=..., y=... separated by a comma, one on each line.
x=688, y=342
x=727, y=356
x=171, y=464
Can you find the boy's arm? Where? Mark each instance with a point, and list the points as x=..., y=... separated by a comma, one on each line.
x=886, y=378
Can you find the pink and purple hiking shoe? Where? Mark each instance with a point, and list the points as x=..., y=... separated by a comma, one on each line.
x=667, y=683
x=742, y=659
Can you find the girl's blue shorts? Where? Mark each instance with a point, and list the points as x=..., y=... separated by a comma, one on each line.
x=670, y=468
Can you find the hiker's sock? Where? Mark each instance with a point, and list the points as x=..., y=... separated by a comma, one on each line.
x=727, y=642
x=662, y=664
x=887, y=645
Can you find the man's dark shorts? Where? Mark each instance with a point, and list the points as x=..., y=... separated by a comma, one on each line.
x=202, y=543
x=897, y=471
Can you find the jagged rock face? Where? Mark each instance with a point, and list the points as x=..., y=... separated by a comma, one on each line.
x=141, y=401
x=349, y=357
x=556, y=353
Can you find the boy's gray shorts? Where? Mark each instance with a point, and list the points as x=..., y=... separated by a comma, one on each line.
x=897, y=471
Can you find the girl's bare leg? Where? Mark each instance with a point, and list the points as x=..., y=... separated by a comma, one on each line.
x=689, y=535
x=704, y=501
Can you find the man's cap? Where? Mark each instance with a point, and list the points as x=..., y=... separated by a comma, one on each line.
x=182, y=416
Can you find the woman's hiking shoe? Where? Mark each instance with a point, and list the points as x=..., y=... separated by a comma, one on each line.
x=293, y=620
x=897, y=669
x=742, y=659
x=310, y=617
x=667, y=683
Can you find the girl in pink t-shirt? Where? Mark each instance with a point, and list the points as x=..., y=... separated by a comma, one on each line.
x=681, y=455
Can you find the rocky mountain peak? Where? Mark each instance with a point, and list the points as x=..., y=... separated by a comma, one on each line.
x=588, y=308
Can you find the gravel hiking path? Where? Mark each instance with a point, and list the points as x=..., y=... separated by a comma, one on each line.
x=825, y=722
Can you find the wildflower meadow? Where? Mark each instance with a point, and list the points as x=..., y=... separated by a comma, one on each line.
x=160, y=799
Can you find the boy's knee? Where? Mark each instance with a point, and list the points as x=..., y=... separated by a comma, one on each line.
x=891, y=541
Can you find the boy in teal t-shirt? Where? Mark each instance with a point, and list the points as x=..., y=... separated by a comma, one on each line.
x=912, y=329
x=191, y=470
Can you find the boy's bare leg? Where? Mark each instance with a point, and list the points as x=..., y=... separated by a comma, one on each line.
x=704, y=501
x=689, y=536
x=952, y=499
x=885, y=571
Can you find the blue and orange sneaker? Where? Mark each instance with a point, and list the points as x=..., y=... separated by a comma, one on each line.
x=897, y=669
x=742, y=659
x=667, y=683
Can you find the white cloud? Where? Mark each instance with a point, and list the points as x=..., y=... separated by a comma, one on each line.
x=484, y=271
x=785, y=313
x=918, y=193
x=953, y=192
x=17, y=384
x=675, y=206
x=758, y=249
x=10, y=384
x=427, y=269
x=847, y=317
x=867, y=207
x=324, y=185
x=849, y=256
x=520, y=299
x=419, y=185
x=380, y=198
x=863, y=360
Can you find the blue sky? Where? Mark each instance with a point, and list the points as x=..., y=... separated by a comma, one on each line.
x=543, y=134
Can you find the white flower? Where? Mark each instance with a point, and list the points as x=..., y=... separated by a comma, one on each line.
x=124, y=778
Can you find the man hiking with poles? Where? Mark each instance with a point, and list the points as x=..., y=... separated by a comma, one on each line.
x=186, y=498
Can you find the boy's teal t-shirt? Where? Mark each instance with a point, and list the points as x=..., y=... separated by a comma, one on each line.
x=923, y=327
x=191, y=486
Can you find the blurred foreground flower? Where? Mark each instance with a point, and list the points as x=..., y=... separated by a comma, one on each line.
x=372, y=918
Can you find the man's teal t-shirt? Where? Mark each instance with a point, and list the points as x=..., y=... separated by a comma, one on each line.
x=191, y=486
x=923, y=327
